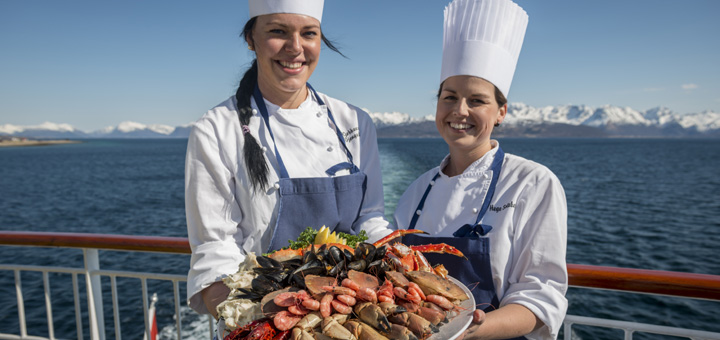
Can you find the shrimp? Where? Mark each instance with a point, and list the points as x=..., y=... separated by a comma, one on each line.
x=350, y=284
x=311, y=304
x=441, y=301
x=340, y=307
x=367, y=294
x=325, y=305
x=339, y=290
x=403, y=294
x=285, y=320
x=346, y=299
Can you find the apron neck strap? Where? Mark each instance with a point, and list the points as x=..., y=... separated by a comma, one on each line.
x=282, y=170
x=477, y=228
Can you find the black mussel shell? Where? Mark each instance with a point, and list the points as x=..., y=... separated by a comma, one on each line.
x=336, y=255
x=267, y=262
x=278, y=276
x=358, y=265
x=309, y=256
x=262, y=285
x=378, y=268
x=335, y=271
x=292, y=263
x=264, y=271
x=380, y=252
x=348, y=255
x=365, y=251
x=249, y=294
x=315, y=267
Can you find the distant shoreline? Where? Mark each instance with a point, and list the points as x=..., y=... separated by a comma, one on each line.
x=33, y=142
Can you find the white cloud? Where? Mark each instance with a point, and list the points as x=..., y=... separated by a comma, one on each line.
x=689, y=86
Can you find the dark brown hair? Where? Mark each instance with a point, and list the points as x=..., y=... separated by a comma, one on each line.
x=499, y=96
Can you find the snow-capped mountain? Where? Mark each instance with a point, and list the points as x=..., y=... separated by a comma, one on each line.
x=521, y=120
x=382, y=119
x=605, y=116
x=137, y=130
x=123, y=130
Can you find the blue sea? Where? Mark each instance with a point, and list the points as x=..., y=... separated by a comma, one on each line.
x=638, y=203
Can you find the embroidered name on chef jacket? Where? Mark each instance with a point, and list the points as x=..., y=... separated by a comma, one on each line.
x=351, y=134
x=503, y=207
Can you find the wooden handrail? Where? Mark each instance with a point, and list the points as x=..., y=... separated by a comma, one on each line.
x=699, y=286
x=96, y=241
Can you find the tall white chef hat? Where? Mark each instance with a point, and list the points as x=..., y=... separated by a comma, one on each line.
x=483, y=38
x=312, y=8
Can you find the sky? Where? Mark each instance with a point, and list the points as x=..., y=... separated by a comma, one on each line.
x=93, y=64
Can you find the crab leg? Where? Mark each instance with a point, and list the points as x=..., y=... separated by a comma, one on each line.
x=395, y=234
x=438, y=248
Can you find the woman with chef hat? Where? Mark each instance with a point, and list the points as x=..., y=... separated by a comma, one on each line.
x=507, y=214
x=277, y=156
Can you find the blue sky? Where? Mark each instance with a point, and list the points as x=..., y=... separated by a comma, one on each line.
x=93, y=64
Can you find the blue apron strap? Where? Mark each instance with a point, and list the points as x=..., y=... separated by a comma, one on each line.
x=482, y=229
x=354, y=168
x=421, y=205
x=468, y=230
x=342, y=166
x=264, y=112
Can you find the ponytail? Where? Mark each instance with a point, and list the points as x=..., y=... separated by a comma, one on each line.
x=253, y=154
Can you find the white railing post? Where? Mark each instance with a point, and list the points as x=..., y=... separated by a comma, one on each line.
x=21, y=305
x=94, y=295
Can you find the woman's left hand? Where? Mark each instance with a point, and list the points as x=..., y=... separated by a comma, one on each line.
x=509, y=321
x=478, y=319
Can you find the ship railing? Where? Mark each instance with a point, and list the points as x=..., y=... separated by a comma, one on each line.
x=687, y=285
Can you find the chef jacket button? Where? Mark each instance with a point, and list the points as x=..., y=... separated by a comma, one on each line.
x=264, y=148
x=475, y=210
x=485, y=175
x=432, y=182
x=319, y=114
x=276, y=186
x=418, y=212
x=254, y=111
x=330, y=148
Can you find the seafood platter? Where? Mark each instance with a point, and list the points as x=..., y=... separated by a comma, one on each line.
x=335, y=289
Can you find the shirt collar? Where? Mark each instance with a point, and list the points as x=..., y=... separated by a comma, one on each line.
x=309, y=104
x=478, y=167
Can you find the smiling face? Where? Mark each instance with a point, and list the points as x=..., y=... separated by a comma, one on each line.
x=287, y=47
x=466, y=114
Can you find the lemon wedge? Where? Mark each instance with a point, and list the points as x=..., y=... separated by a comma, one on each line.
x=332, y=238
x=322, y=235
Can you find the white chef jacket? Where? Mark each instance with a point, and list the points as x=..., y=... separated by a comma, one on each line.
x=226, y=218
x=528, y=213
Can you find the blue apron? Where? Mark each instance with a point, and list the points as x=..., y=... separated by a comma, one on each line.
x=334, y=202
x=475, y=271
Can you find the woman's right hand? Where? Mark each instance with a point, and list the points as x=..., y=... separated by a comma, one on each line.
x=213, y=295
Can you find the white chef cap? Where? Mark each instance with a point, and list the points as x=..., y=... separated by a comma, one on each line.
x=312, y=8
x=482, y=38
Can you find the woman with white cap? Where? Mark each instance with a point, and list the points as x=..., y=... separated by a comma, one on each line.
x=507, y=214
x=277, y=156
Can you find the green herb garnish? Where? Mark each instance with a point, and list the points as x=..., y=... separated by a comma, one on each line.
x=307, y=237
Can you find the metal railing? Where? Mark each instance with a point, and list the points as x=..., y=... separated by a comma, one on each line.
x=696, y=286
x=92, y=273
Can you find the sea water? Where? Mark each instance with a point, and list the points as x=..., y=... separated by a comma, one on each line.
x=637, y=203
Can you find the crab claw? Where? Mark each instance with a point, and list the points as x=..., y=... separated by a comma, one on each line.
x=395, y=234
x=438, y=248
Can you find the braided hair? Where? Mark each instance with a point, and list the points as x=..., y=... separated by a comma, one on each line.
x=253, y=154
